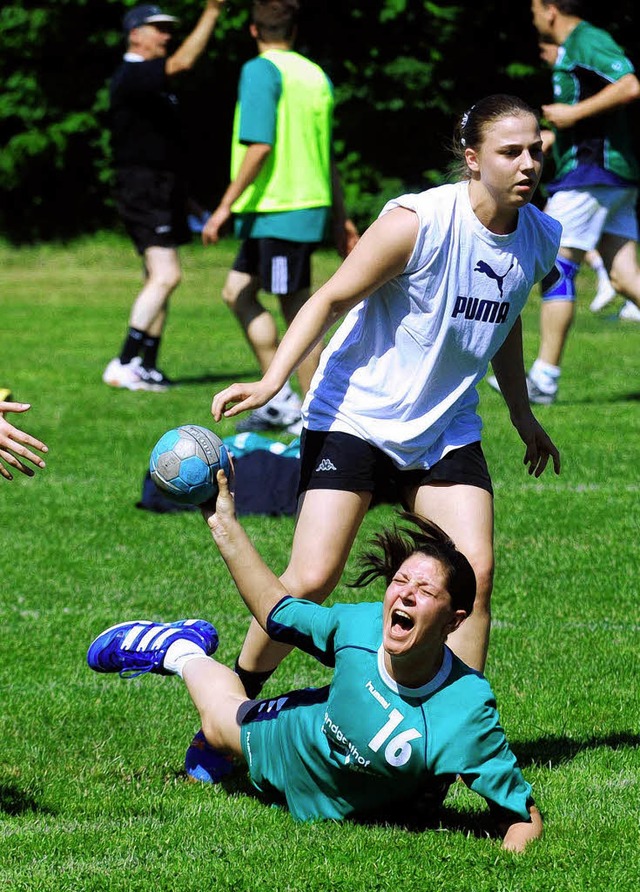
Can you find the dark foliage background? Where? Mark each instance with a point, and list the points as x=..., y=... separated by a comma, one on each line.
x=403, y=70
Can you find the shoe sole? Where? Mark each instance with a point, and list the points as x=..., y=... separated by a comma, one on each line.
x=542, y=400
x=141, y=385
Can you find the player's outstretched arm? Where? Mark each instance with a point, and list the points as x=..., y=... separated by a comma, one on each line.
x=381, y=254
x=508, y=365
x=519, y=834
x=14, y=444
x=259, y=586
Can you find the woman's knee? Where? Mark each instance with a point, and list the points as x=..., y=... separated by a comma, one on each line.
x=315, y=583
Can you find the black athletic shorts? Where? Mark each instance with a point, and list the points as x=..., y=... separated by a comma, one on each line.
x=335, y=460
x=283, y=267
x=153, y=207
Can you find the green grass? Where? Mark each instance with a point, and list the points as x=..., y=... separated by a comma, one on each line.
x=92, y=795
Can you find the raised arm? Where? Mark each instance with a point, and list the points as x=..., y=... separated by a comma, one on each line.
x=259, y=586
x=508, y=365
x=193, y=46
x=381, y=254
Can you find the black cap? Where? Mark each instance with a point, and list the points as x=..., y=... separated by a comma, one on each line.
x=147, y=14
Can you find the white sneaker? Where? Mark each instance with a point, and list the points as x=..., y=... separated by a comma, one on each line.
x=125, y=376
x=538, y=395
x=629, y=312
x=604, y=295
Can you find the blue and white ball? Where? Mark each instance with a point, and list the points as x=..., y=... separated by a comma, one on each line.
x=184, y=463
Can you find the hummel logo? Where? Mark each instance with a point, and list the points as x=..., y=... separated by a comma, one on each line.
x=483, y=267
x=326, y=465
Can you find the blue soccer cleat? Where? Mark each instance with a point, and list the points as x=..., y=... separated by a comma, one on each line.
x=137, y=647
x=204, y=763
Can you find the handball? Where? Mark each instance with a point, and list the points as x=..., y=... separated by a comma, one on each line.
x=184, y=463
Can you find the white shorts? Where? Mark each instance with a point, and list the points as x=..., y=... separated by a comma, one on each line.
x=588, y=213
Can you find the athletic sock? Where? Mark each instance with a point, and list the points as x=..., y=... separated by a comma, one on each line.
x=253, y=681
x=131, y=346
x=150, y=348
x=545, y=375
x=179, y=653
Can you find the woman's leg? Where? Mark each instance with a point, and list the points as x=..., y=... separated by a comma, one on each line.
x=327, y=524
x=217, y=694
x=465, y=513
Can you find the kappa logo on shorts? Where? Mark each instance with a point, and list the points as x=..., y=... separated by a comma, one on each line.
x=326, y=465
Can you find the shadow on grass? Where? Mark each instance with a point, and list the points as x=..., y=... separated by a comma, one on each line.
x=213, y=378
x=555, y=750
x=424, y=814
x=616, y=399
x=14, y=801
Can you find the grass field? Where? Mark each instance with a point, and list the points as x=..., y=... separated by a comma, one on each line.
x=92, y=793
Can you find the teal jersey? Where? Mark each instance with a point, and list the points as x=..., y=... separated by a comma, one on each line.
x=364, y=742
x=597, y=150
x=259, y=92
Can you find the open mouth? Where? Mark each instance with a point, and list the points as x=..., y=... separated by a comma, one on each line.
x=401, y=621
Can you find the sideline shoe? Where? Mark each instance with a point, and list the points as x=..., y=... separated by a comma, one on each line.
x=604, y=295
x=204, y=763
x=137, y=647
x=538, y=396
x=125, y=376
x=267, y=418
x=629, y=312
x=154, y=378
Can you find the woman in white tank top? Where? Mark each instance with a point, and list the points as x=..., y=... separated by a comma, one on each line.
x=431, y=294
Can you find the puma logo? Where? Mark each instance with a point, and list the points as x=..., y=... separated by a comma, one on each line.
x=484, y=268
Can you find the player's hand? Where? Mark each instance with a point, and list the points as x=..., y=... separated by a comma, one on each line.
x=540, y=447
x=560, y=115
x=211, y=229
x=239, y=398
x=14, y=444
x=221, y=517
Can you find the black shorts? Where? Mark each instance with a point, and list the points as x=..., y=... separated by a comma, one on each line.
x=335, y=460
x=153, y=207
x=283, y=267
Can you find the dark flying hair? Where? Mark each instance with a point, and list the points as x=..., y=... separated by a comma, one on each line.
x=425, y=537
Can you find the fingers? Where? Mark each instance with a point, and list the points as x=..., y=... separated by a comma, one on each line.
x=15, y=462
x=223, y=483
x=537, y=459
x=16, y=441
x=233, y=400
x=13, y=407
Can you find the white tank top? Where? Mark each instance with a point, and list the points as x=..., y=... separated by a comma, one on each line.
x=401, y=370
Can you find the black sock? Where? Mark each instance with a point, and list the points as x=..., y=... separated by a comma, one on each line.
x=150, y=347
x=253, y=681
x=132, y=345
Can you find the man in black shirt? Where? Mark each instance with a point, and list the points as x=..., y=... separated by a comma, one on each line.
x=150, y=188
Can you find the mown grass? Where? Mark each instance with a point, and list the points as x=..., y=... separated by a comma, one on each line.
x=92, y=794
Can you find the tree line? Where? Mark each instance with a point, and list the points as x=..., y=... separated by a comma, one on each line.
x=403, y=71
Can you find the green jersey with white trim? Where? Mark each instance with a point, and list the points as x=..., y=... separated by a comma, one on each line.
x=587, y=62
x=365, y=742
